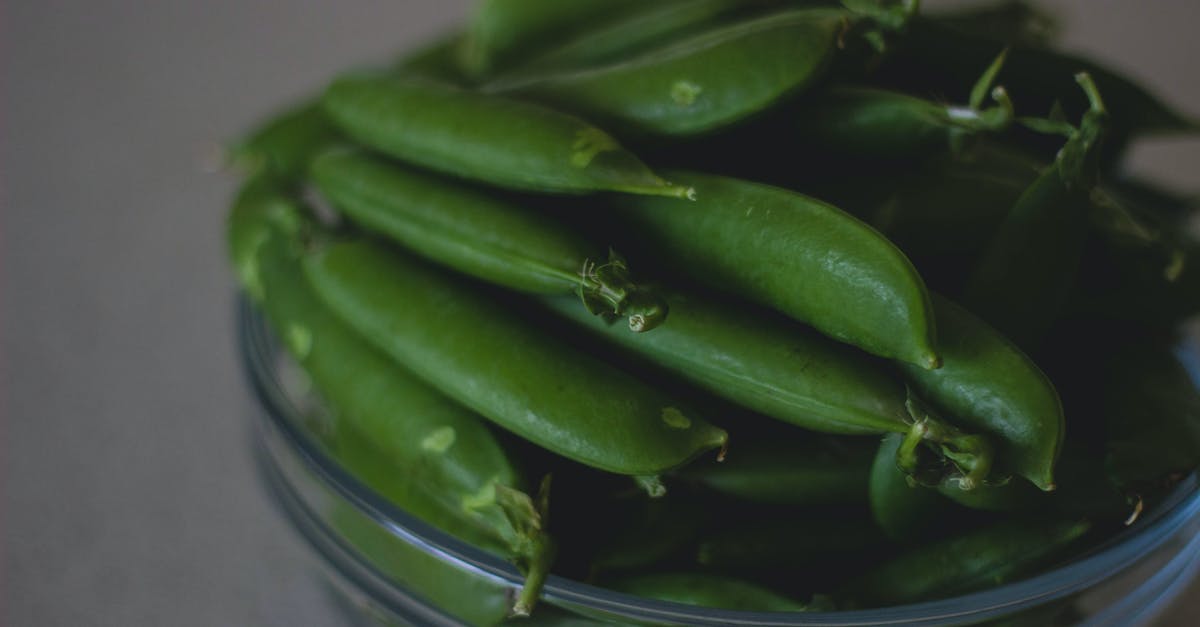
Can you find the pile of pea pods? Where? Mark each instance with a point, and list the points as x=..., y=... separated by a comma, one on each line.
x=752, y=304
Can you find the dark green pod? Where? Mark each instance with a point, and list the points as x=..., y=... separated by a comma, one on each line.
x=789, y=543
x=456, y=475
x=708, y=591
x=906, y=512
x=807, y=471
x=482, y=235
x=798, y=255
x=979, y=559
x=988, y=384
x=706, y=82
x=486, y=138
x=283, y=146
x=505, y=366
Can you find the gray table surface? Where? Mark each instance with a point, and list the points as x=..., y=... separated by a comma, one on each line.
x=129, y=497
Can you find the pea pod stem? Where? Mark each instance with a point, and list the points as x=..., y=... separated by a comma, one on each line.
x=608, y=291
x=542, y=550
x=971, y=455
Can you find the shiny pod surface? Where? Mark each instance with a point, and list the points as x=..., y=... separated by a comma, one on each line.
x=701, y=83
x=478, y=233
x=505, y=366
x=987, y=383
x=764, y=362
x=798, y=255
x=486, y=138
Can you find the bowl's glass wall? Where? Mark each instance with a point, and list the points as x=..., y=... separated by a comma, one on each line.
x=394, y=569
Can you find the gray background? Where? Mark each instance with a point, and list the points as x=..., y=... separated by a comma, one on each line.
x=128, y=492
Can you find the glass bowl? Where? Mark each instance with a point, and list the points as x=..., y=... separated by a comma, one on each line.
x=392, y=568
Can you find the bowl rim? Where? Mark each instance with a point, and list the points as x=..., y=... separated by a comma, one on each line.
x=260, y=352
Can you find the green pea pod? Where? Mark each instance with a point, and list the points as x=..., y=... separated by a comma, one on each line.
x=905, y=511
x=988, y=384
x=882, y=124
x=661, y=530
x=284, y=145
x=706, y=590
x=627, y=35
x=809, y=471
x=1010, y=21
x=798, y=255
x=502, y=32
x=457, y=476
x=788, y=542
x=437, y=60
x=776, y=367
x=479, y=234
x=978, y=559
x=1035, y=255
x=486, y=138
x=504, y=365
x=702, y=83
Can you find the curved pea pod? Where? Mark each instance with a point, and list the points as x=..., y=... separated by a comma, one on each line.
x=870, y=122
x=987, y=383
x=1035, y=255
x=702, y=83
x=502, y=32
x=1010, y=21
x=935, y=58
x=482, y=235
x=986, y=557
x=809, y=471
x=798, y=255
x=437, y=60
x=628, y=34
x=706, y=590
x=503, y=364
x=495, y=140
x=789, y=543
x=661, y=530
x=283, y=146
x=456, y=475
x=905, y=511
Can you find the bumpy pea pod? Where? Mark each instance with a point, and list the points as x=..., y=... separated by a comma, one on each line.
x=502, y=32
x=706, y=590
x=702, y=83
x=810, y=471
x=993, y=555
x=486, y=138
x=869, y=122
x=504, y=365
x=798, y=255
x=1035, y=255
x=781, y=369
x=482, y=235
x=283, y=146
x=988, y=384
x=457, y=476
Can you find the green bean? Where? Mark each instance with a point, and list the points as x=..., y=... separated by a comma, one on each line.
x=486, y=138
x=284, y=145
x=457, y=476
x=702, y=83
x=482, y=235
x=987, y=383
x=987, y=557
x=1035, y=255
x=502, y=32
x=504, y=366
x=802, y=257
x=814, y=471
x=708, y=591
x=785, y=371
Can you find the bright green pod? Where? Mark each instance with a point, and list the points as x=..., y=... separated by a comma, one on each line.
x=483, y=235
x=505, y=366
x=487, y=138
x=283, y=146
x=987, y=383
x=978, y=559
x=502, y=32
x=807, y=471
x=798, y=255
x=457, y=477
x=727, y=593
x=702, y=83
